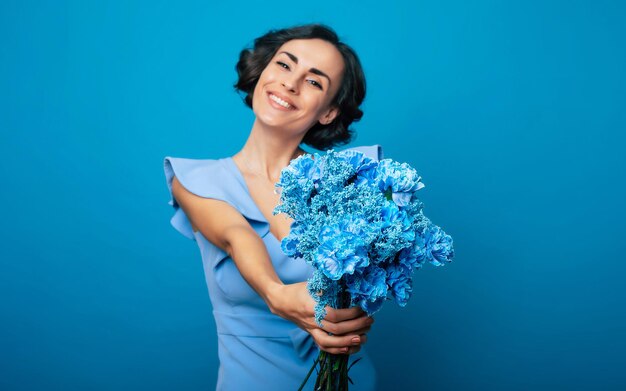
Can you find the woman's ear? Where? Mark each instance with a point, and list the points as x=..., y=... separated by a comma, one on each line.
x=329, y=115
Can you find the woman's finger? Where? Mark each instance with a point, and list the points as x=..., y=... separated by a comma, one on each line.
x=344, y=350
x=325, y=341
x=348, y=326
x=361, y=332
x=339, y=315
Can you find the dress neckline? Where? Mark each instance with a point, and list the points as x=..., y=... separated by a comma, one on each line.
x=242, y=180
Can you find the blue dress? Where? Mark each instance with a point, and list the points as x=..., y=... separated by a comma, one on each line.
x=257, y=350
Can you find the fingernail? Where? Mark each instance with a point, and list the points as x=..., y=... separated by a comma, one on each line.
x=356, y=340
x=344, y=350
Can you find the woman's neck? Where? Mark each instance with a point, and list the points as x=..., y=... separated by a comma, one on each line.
x=267, y=153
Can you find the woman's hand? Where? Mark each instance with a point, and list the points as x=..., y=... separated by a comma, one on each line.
x=347, y=326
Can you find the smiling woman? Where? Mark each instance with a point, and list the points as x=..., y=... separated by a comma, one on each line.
x=288, y=84
x=305, y=87
x=281, y=50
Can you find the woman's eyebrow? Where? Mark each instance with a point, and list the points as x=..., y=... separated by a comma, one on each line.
x=312, y=70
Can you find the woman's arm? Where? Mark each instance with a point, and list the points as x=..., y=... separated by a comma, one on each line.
x=225, y=227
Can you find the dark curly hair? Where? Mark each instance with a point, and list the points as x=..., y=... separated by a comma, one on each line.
x=252, y=62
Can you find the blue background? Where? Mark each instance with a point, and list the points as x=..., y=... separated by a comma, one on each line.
x=513, y=113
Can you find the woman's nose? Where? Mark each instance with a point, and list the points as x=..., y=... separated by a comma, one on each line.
x=289, y=85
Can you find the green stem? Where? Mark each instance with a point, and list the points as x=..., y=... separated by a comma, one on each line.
x=333, y=368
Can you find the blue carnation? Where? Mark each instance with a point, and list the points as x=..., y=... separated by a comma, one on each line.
x=289, y=244
x=434, y=246
x=341, y=251
x=400, y=178
x=368, y=288
x=367, y=175
x=399, y=281
x=371, y=307
x=408, y=257
x=354, y=225
x=301, y=167
x=319, y=164
x=392, y=215
x=356, y=159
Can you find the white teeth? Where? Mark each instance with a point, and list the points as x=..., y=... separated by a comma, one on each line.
x=279, y=101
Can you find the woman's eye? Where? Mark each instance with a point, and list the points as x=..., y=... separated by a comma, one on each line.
x=318, y=85
x=282, y=64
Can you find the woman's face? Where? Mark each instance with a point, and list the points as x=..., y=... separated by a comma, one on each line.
x=296, y=87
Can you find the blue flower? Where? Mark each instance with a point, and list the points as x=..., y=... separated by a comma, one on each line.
x=356, y=159
x=301, y=167
x=408, y=257
x=392, y=215
x=371, y=307
x=329, y=233
x=361, y=164
x=325, y=292
x=335, y=258
x=354, y=225
x=319, y=166
x=434, y=246
x=289, y=244
x=400, y=178
x=367, y=175
x=301, y=175
x=368, y=288
x=343, y=247
x=399, y=281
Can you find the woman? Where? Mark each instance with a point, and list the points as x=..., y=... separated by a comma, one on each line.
x=304, y=86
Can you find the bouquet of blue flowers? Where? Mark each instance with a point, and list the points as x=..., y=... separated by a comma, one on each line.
x=359, y=223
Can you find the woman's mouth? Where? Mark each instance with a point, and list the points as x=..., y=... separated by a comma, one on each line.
x=280, y=103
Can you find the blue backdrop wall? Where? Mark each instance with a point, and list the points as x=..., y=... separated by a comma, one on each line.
x=512, y=113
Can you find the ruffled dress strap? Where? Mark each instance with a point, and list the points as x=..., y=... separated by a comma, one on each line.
x=209, y=178
x=372, y=151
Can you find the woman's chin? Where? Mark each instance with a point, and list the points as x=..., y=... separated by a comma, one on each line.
x=274, y=121
x=271, y=122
